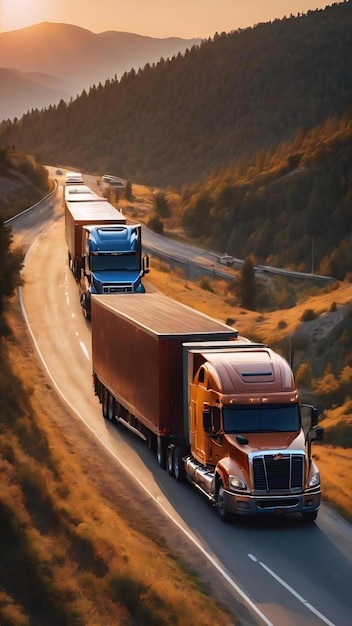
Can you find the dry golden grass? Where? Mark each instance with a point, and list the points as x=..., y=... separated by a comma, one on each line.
x=93, y=548
x=335, y=465
x=335, y=462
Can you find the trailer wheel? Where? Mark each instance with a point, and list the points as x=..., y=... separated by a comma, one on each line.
x=104, y=403
x=85, y=304
x=150, y=438
x=97, y=388
x=179, y=468
x=161, y=452
x=170, y=460
x=111, y=407
x=221, y=506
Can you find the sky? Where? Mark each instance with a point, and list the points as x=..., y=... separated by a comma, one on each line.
x=153, y=18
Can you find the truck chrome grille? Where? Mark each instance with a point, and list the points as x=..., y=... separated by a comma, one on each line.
x=118, y=288
x=278, y=472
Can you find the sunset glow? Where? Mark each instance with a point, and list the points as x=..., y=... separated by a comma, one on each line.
x=21, y=13
x=154, y=18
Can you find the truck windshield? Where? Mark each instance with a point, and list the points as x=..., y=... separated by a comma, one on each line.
x=271, y=418
x=104, y=262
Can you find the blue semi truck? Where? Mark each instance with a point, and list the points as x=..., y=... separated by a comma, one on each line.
x=104, y=252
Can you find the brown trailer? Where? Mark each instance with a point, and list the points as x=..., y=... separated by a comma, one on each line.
x=137, y=357
x=222, y=411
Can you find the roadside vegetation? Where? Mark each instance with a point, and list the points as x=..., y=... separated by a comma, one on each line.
x=23, y=182
x=70, y=555
x=75, y=550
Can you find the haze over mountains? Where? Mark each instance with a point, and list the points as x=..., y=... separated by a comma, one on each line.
x=42, y=64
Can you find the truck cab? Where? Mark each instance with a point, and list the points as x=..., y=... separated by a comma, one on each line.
x=112, y=261
x=248, y=451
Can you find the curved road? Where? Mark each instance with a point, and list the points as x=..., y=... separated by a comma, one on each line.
x=287, y=573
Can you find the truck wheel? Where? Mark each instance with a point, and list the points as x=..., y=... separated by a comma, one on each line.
x=220, y=503
x=161, y=452
x=85, y=304
x=310, y=517
x=179, y=468
x=170, y=460
x=104, y=403
x=111, y=408
x=150, y=441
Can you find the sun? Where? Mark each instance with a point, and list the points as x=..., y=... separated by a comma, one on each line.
x=17, y=14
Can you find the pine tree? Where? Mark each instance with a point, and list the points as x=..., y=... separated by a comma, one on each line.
x=246, y=288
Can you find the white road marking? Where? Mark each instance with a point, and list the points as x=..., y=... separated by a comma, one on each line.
x=84, y=350
x=292, y=591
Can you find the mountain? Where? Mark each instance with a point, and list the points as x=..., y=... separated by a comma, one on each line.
x=21, y=92
x=223, y=100
x=78, y=58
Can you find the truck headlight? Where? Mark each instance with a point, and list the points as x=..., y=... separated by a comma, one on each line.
x=315, y=480
x=236, y=483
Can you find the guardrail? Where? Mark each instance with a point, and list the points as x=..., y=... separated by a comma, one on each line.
x=48, y=195
x=194, y=270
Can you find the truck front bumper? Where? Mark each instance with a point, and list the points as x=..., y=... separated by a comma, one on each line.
x=249, y=504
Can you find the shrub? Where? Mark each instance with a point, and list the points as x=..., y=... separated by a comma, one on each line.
x=155, y=224
x=206, y=284
x=304, y=375
x=308, y=315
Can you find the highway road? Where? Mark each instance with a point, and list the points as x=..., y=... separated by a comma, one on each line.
x=287, y=573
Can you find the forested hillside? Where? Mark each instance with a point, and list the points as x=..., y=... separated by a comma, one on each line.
x=23, y=181
x=289, y=207
x=223, y=100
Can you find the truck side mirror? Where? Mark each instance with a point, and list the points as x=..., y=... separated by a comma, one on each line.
x=146, y=266
x=207, y=420
x=315, y=434
x=309, y=415
x=315, y=415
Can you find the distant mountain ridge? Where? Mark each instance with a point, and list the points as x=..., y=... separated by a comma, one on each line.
x=220, y=102
x=21, y=92
x=74, y=58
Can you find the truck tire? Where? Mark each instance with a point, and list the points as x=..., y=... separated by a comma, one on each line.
x=150, y=438
x=309, y=518
x=104, y=403
x=111, y=408
x=85, y=304
x=179, y=468
x=220, y=504
x=161, y=448
x=170, y=464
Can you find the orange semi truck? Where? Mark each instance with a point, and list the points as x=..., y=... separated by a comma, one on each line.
x=220, y=411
